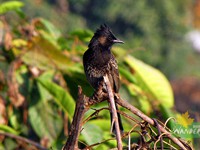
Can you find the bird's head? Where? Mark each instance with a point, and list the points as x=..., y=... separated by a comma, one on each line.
x=104, y=37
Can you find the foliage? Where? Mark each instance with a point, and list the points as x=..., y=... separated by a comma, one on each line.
x=39, y=74
x=154, y=31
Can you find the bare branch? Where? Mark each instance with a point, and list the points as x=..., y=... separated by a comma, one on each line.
x=113, y=111
x=81, y=108
x=149, y=120
x=84, y=103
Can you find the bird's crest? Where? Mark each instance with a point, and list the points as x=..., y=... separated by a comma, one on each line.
x=102, y=34
x=104, y=30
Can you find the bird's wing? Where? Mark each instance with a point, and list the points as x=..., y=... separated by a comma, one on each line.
x=114, y=75
x=93, y=75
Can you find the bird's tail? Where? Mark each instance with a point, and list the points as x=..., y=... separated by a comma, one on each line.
x=119, y=120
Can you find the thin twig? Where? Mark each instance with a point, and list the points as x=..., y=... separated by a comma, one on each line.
x=170, y=145
x=23, y=140
x=170, y=118
x=129, y=141
x=161, y=140
x=128, y=116
x=149, y=120
x=159, y=133
x=95, y=144
x=94, y=114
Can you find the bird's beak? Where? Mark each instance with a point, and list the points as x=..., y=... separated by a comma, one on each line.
x=118, y=41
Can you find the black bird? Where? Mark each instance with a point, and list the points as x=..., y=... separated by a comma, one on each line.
x=98, y=61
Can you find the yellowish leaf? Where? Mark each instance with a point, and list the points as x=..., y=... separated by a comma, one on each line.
x=184, y=119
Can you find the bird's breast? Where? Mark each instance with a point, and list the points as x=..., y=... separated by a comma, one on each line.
x=97, y=62
x=97, y=71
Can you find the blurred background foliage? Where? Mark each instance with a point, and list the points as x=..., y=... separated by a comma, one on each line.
x=41, y=48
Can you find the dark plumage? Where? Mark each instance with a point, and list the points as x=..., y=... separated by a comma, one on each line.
x=98, y=60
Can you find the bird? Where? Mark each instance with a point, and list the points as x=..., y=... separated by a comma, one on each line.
x=98, y=61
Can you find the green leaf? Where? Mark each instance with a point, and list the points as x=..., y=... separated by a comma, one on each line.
x=61, y=96
x=101, y=146
x=45, y=122
x=83, y=35
x=50, y=38
x=167, y=113
x=10, y=144
x=127, y=74
x=48, y=31
x=45, y=55
x=8, y=129
x=43, y=114
x=9, y=6
x=92, y=133
x=50, y=28
x=152, y=81
x=101, y=123
x=137, y=92
x=14, y=122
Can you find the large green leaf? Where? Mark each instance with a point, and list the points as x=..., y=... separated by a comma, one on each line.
x=61, y=96
x=45, y=122
x=43, y=114
x=152, y=81
x=134, y=91
x=44, y=54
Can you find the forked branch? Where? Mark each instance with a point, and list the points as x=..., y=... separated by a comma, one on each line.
x=84, y=103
